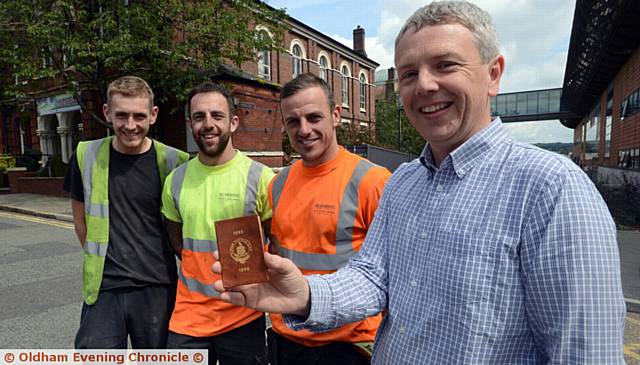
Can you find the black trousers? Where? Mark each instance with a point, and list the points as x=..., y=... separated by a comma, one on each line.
x=142, y=314
x=245, y=345
x=283, y=351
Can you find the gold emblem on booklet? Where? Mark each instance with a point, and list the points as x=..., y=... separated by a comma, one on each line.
x=241, y=250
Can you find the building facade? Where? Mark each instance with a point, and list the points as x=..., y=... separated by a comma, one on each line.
x=53, y=121
x=602, y=83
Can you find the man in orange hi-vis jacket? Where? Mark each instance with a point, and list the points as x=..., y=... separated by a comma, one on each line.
x=322, y=208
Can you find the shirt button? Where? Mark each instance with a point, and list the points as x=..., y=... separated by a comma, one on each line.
x=423, y=235
x=402, y=329
x=414, y=283
x=439, y=188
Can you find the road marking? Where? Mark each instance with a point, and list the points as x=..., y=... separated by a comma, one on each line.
x=29, y=218
x=629, y=351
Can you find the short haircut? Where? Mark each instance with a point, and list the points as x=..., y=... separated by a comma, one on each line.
x=131, y=87
x=305, y=81
x=210, y=87
x=464, y=13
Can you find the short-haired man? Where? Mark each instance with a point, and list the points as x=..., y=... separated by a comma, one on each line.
x=484, y=250
x=221, y=183
x=322, y=208
x=115, y=183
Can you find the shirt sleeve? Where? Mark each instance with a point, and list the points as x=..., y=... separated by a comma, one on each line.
x=356, y=291
x=263, y=205
x=169, y=210
x=571, y=274
x=73, y=180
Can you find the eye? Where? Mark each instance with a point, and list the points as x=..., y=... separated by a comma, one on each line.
x=447, y=65
x=408, y=74
x=314, y=118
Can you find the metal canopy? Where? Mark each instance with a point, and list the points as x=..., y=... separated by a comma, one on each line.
x=604, y=35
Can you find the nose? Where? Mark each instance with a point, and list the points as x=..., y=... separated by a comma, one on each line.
x=208, y=123
x=427, y=82
x=305, y=127
x=131, y=123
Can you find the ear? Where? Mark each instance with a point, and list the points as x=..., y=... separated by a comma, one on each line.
x=154, y=115
x=235, y=121
x=106, y=113
x=496, y=68
x=336, y=115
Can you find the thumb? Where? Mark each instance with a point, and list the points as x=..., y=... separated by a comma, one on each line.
x=279, y=264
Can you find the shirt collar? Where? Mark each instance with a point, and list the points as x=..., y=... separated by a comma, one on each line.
x=465, y=157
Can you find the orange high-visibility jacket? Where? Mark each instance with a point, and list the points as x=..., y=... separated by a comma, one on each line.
x=320, y=218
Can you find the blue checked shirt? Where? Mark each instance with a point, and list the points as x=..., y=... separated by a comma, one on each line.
x=505, y=254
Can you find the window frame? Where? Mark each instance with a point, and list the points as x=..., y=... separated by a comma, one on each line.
x=345, y=83
x=363, y=91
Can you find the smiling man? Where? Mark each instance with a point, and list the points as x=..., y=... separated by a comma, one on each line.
x=336, y=194
x=221, y=183
x=482, y=251
x=115, y=184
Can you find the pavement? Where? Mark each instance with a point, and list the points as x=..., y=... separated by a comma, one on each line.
x=58, y=208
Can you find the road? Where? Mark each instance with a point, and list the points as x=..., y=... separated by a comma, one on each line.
x=40, y=263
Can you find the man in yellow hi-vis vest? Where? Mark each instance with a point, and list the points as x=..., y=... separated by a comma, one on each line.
x=115, y=183
x=220, y=183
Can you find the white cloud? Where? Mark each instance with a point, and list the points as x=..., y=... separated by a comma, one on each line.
x=534, y=36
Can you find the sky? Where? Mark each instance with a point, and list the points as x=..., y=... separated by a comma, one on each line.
x=534, y=35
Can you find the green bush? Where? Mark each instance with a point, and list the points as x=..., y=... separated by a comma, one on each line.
x=623, y=202
x=30, y=159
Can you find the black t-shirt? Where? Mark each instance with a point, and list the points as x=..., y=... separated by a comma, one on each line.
x=139, y=252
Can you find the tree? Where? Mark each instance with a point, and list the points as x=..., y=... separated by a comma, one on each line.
x=393, y=130
x=85, y=44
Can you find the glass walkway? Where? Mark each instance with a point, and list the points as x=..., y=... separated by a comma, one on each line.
x=527, y=106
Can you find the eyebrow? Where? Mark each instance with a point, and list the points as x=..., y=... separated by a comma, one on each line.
x=216, y=113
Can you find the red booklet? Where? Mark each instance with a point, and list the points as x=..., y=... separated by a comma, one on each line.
x=241, y=250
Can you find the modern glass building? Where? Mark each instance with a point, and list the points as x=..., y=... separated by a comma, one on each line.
x=602, y=83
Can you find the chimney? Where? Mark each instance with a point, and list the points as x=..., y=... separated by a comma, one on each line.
x=358, y=41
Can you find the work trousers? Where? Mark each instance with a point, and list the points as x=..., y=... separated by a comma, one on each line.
x=245, y=345
x=283, y=351
x=141, y=314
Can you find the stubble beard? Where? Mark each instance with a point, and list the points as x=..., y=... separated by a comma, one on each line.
x=212, y=151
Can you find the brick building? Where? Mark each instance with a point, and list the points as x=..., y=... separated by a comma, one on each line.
x=53, y=122
x=602, y=83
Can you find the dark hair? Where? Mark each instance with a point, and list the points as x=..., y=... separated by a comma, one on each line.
x=210, y=87
x=305, y=81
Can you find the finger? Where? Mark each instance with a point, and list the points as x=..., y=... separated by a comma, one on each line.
x=216, y=267
x=235, y=298
x=216, y=255
x=217, y=285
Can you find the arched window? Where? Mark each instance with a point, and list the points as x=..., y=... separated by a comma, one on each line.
x=345, y=85
x=323, y=63
x=363, y=92
x=296, y=53
x=264, y=57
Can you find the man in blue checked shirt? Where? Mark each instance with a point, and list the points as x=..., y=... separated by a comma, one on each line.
x=484, y=250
